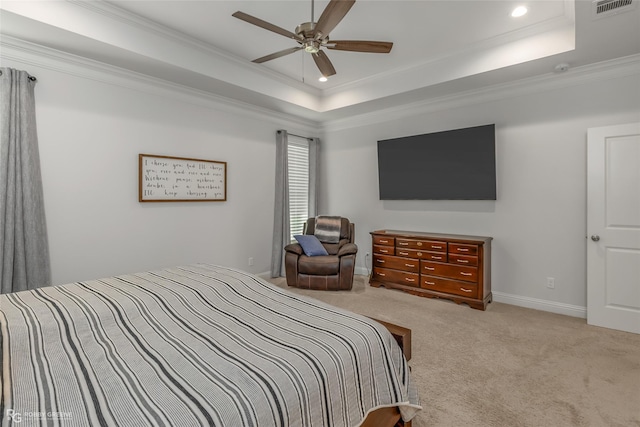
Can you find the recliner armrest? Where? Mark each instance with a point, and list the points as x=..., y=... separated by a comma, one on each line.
x=349, y=248
x=295, y=248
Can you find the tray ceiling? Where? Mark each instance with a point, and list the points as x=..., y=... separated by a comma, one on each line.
x=440, y=47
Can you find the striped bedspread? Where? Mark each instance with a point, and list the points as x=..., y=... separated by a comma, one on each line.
x=199, y=345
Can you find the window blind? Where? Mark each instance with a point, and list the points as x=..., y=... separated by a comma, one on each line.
x=298, y=170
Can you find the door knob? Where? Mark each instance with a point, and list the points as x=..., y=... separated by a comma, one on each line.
x=595, y=237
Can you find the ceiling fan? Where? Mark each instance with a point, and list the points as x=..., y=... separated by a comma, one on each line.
x=312, y=36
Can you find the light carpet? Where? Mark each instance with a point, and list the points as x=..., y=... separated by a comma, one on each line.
x=506, y=366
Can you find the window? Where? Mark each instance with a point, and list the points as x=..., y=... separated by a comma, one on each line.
x=296, y=191
x=298, y=171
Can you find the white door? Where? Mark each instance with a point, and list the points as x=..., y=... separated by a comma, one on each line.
x=613, y=227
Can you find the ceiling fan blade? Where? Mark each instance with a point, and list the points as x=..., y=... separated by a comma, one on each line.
x=331, y=16
x=266, y=25
x=277, y=54
x=360, y=46
x=324, y=65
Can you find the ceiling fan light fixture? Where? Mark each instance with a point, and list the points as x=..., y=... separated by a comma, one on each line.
x=322, y=79
x=519, y=11
x=311, y=46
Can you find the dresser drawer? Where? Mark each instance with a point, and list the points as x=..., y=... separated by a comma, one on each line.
x=462, y=249
x=457, y=272
x=395, y=276
x=386, y=250
x=424, y=245
x=449, y=286
x=434, y=256
x=414, y=253
x=384, y=240
x=463, y=259
x=397, y=263
x=410, y=253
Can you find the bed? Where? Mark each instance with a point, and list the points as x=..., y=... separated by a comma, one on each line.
x=198, y=345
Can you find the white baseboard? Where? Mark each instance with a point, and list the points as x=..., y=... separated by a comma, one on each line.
x=540, y=304
x=520, y=301
x=264, y=275
x=361, y=271
x=527, y=302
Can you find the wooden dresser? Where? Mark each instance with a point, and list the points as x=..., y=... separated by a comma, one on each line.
x=432, y=265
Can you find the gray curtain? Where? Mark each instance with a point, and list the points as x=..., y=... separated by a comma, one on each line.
x=24, y=249
x=281, y=213
x=281, y=225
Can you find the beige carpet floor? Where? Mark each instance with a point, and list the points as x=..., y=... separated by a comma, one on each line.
x=507, y=366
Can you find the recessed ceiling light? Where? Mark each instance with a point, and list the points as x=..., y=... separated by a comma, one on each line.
x=519, y=11
x=322, y=79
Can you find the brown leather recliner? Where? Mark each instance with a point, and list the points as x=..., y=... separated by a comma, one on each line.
x=331, y=272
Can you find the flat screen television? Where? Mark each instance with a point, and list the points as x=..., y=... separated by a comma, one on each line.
x=451, y=165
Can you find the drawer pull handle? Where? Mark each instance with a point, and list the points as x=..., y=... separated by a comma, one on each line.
x=436, y=247
x=384, y=241
x=463, y=250
x=419, y=253
x=430, y=283
x=410, y=265
x=465, y=274
x=419, y=243
x=381, y=261
x=384, y=251
x=463, y=261
x=380, y=274
x=403, y=243
x=436, y=257
x=408, y=279
x=429, y=268
x=465, y=290
x=403, y=253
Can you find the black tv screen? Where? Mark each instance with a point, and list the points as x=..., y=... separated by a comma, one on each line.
x=451, y=165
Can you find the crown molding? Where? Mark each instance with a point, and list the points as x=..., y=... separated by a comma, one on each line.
x=113, y=12
x=48, y=58
x=44, y=57
x=554, y=24
x=607, y=70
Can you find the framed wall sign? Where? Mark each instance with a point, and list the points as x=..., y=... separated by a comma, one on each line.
x=179, y=179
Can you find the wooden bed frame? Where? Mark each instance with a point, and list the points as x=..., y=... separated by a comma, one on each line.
x=390, y=417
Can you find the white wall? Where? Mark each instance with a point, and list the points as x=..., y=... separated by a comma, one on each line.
x=93, y=121
x=539, y=219
x=93, y=124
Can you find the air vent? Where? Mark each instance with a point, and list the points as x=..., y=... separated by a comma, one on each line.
x=603, y=8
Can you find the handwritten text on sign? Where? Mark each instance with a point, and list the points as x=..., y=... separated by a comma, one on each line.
x=173, y=179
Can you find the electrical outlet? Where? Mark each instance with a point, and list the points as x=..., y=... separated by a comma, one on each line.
x=250, y=261
x=551, y=282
